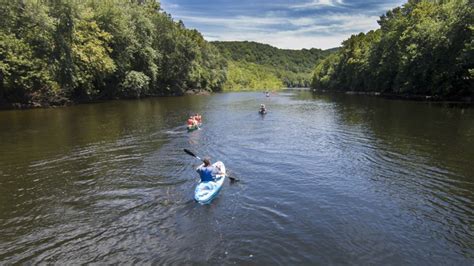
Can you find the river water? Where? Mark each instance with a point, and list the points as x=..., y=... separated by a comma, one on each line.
x=324, y=179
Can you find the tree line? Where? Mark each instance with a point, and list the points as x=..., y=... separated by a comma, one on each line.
x=421, y=48
x=278, y=67
x=53, y=52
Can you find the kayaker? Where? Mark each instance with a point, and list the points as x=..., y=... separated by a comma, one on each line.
x=262, y=109
x=191, y=121
x=198, y=118
x=207, y=171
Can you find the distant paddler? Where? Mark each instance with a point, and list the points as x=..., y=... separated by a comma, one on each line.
x=198, y=119
x=192, y=123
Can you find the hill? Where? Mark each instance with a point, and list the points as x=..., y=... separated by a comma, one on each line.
x=282, y=67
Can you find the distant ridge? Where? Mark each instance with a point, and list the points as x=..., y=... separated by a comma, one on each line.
x=292, y=67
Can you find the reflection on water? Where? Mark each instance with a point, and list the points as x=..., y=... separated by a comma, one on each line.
x=326, y=179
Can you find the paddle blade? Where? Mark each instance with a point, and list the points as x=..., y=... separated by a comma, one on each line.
x=190, y=152
x=233, y=179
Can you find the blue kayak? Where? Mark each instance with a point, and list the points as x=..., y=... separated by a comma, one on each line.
x=205, y=192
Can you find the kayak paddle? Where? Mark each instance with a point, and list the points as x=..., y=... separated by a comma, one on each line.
x=197, y=157
x=192, y=154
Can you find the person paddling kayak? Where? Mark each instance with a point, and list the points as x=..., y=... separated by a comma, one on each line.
x=191, y=121
x=194, y=122
x=198, y=118
x=207, y=171
x=262, y=110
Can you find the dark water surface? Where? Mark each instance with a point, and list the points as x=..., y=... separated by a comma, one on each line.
x=324, y=180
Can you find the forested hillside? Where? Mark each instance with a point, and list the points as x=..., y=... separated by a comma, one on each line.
x=53, y=52
x=289, y=68
x=421, y=48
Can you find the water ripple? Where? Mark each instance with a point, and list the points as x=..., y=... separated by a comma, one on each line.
x=324, y=180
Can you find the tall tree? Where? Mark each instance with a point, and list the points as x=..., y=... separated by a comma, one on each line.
x=422, y=48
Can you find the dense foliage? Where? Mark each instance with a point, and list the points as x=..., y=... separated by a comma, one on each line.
x=250, y=76
x=293, y=68
x=422, y=48
x=53, y=52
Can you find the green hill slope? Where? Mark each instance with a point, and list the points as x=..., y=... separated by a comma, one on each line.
x=252, y=64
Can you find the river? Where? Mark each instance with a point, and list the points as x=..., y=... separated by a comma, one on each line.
x=324, y=179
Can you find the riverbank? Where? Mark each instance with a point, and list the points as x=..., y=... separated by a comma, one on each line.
x=254, y=90
x=409, y=97
x=64, y=102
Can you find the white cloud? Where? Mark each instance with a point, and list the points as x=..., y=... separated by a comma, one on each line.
x=169, y=6
x=305, y=21
x=341, y=23
x=328, y=23
x=317, y=4
x=284, y=40
x=323, y=31
x=235, y=21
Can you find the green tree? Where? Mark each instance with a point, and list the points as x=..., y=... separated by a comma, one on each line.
x=90, y=55
x=55, y=51
x=421, y=48
x=135, y=84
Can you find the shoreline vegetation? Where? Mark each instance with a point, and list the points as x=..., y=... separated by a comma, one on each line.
x=59, y=53
x=258, y=66
x=65, y=52
x=409, y=97
x=422, y=48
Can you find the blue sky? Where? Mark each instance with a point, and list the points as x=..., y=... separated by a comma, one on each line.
x=291, y=24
